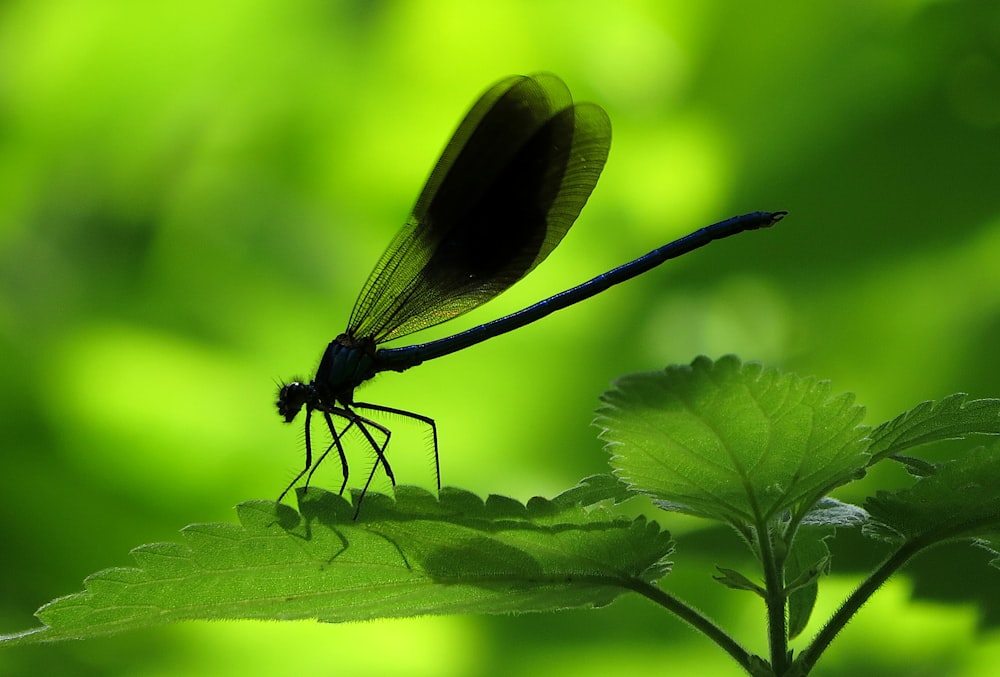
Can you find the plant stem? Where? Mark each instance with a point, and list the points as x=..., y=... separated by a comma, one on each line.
x=694, y=618
x=807, y=659
x=777, y=627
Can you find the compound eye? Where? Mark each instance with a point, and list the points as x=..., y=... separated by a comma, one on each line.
x=292, y=397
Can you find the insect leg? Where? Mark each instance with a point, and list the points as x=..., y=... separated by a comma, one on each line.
x=418, y=417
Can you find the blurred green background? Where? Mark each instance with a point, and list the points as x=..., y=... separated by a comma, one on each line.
x=192, y=193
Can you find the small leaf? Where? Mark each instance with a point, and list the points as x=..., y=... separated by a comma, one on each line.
x=809, y=576
x=595, y=489
x=917, y=467
x=760, y=667
x=961, y=500
x=737, y=581
x=831, y=512
x=412, y=556
x=950, y=419
x=731, y=441
x=808, y=560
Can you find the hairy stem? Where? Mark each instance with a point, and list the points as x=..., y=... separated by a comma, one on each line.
x=696, y=619
x=774, y=582
x=807, y=659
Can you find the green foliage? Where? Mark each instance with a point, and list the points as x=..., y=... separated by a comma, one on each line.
x=950, y=419
x=753, y=448
x=413, y=556
x=194, y=192
x=960, y=500
x=731, y=441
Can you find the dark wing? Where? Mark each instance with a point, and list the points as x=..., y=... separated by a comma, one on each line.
x=508, y=186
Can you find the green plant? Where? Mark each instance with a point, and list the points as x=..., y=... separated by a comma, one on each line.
x=755, y=449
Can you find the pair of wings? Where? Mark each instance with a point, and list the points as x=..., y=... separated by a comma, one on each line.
x=505, y=191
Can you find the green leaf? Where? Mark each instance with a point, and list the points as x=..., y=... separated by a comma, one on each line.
x=415, y=555
x=731, y=441
x=915, y=466
x=951, y=418
x=961, y=500
x=808, y=559
x=737, y=581
x=595, y=489
x=831, y=512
